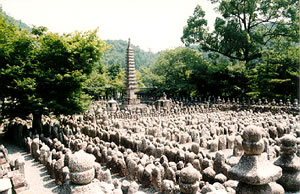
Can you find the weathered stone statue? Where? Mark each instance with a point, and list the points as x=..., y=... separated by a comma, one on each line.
x=81, y=167
x=253, y=171
x=290, y=164
x=189, y=180
x=82, y=175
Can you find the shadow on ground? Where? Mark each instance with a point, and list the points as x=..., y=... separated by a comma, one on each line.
x=16, y=151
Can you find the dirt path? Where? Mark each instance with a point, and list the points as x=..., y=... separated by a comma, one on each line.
x=35, y=173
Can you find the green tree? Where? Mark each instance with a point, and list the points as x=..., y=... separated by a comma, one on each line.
x=116, y=82
x=95, y=85
x=117, y=55
x=245, y=27
x=226, y=79
x=44, y=73
x=174, y=72
x=277, y=76
x=18, y=23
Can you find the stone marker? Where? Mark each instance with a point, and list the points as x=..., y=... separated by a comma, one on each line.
x=290, y=164
x=81, y=167
x=189, y=180
x=5, y=186
x=253, y=172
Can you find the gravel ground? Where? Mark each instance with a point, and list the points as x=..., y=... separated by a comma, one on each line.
x=35, y=173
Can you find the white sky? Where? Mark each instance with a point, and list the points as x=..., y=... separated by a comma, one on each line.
x=151, y=24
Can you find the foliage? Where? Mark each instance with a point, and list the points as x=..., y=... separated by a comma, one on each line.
x=117, y=55
x=226, y=78
x=185, y=72
x=95, y=85
x=277, y=76
x=43, y=73
x=116, y=79
x=172, y=72
x=18, y=23
x=245, y=27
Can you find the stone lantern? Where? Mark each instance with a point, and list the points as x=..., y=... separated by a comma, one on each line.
x=163, y=103
x=112, y=105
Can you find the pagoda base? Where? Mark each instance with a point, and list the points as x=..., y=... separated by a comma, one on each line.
x=131, y=101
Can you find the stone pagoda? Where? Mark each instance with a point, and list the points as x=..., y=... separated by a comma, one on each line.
x=130, y=84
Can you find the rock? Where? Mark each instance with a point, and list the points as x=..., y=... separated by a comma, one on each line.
x=238, y=148
x=58, y=166
x=81, y=166
x=221, y=178
x=18, y=182
x=195, y=148
x=156, y=178
x=106, y=187
x=132, y=165
x=44, y=154
x=218, y=186
x=92, y=188
x=66, y=174
x=35, y=145
x=167, y=187
x=231, y=183
x=290, y=164
x=253, y=171
x=222, y=142
x=208, y=188
x=133, y=188
x=125, y=186
x=106, y=177
x=197, y=165
x=5, y=186
x=189, y=180
x=189, y=174
x=81, y=161
x=230, y=141
x=209, y=175
x=117, y=191
x=214, y=145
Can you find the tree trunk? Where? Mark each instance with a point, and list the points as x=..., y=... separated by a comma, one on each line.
x=37, y=123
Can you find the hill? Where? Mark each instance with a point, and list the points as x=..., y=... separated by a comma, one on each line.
x=19, y=23
x=117, y=54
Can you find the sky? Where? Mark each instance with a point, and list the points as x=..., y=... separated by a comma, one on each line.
x=153, y=25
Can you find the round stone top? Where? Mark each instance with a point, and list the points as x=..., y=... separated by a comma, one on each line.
x=288, y=145
x=81, y=161
x=252, y=133
x=288, y=140
x=112, y=101
x=189, y=175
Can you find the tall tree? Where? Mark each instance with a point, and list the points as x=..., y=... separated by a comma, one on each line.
x=245, y=28
x=43, y=73
x=277, y=76
x=174, y=72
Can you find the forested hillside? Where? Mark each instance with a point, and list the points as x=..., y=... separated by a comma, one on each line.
x=19, y=23
x=117, y=54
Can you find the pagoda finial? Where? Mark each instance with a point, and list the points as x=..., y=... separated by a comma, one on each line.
x=128, y=42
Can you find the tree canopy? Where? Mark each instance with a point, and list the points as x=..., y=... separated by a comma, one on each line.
x=245, y=27
x=117, y=54
x=44, y=72
x=173, y=70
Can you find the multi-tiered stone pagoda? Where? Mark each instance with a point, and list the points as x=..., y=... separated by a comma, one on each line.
x=131, y=84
